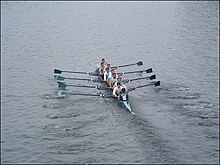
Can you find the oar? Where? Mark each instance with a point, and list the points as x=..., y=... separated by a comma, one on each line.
x=57, y=71
x=62, y=85
x=72, y=78
x=138, y=71
x=153, y=83
x=120, y=66
x=150, y=78
x=85, y=94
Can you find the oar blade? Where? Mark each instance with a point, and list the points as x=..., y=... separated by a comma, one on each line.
x=57, y=71
x=61, y=85
x=152, y=77
x=157, y=83
x=149, y=70
x=60, y=78
x=140, y=63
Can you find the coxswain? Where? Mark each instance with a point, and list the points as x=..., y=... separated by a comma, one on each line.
x=103, y=60
x=117, y=90
x=123, y=95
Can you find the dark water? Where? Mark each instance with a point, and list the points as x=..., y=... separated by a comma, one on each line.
x=177, y=122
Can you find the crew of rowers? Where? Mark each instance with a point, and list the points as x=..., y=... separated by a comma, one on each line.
x=114, y=81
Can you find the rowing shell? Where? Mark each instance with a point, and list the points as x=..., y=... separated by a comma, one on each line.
x=125, y=104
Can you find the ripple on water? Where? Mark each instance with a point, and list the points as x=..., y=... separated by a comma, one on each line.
x=198, y=105
x=52, y=96
x=58, y=116
x=178, y=88
x=207, y=123
x=56, y=105
x=186, y=96
x=73, y=148
x=56, y=128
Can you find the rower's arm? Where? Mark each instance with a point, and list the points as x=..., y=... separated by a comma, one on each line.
x=114, y=92
x=105, y=77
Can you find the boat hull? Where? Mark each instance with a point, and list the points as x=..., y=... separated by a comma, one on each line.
x=125, y=104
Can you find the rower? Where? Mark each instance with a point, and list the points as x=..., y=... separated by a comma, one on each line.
x=113, y=71
x=123, y=95
x=112, y=79
x=107, y=74
x=119, y=79
x=101, y=69
x=117, y=90
x=108, y=66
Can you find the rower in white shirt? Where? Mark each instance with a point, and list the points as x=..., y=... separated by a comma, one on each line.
x=102, y=69
x=108, y=66
x=107, y=74
x=112, y=79
x=119, y=80
x=117, y=90
x=113, y=71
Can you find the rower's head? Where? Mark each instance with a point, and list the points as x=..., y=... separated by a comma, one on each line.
x=118, y=85
x=102, y=64
x=108, y=65
x=114, y=75
x=107, y=70
x=123, y=90
x=119, y=79
x=103, y=60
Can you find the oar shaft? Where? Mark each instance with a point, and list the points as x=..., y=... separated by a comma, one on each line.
x=139, y=78
x=72, y=78
x=74, y=72
x=57, y=71
x=83, y=86
x=87, y=94
x=152, y=83
x=120, y=66
x=82, y=94
x=138, y=71
x=62, y=85
x=89, y=73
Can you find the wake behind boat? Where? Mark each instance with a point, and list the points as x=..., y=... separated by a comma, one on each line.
x=121, y=97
